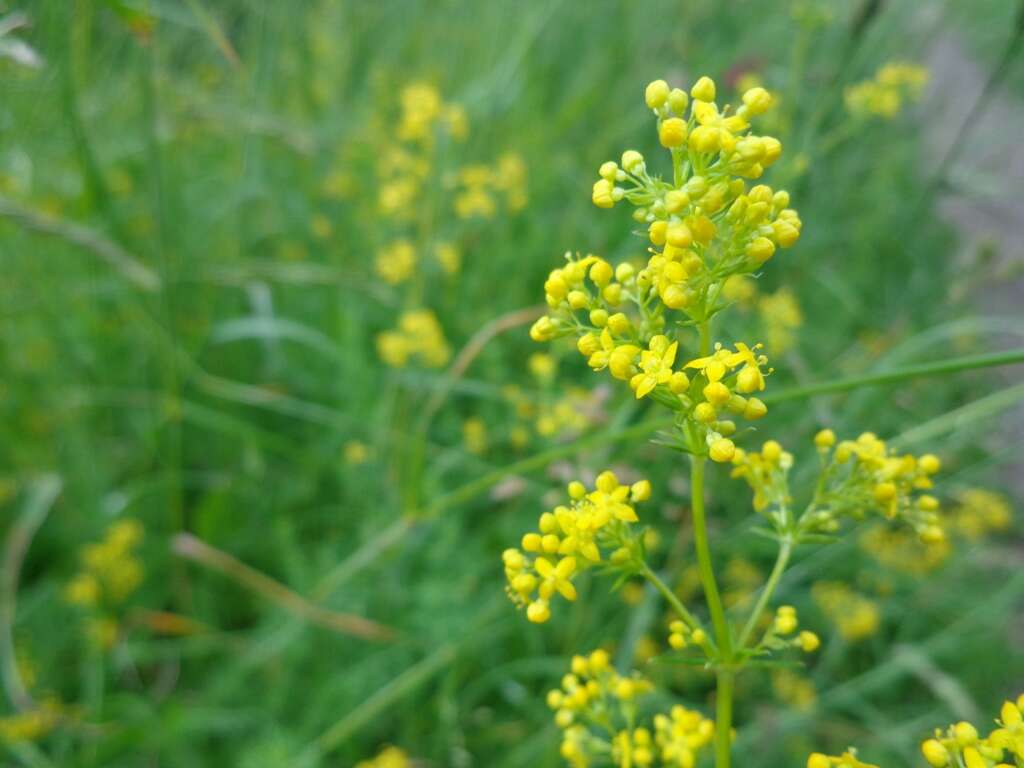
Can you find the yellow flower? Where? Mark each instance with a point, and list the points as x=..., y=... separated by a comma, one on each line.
x=656, y=364
x=556, y=578
x=389, y=757
x=396, y=263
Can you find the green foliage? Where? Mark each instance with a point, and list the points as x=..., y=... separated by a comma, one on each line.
x=181, y=345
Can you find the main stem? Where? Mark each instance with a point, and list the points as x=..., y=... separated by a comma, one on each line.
x=725, y=673
x=723, y=717
x=723, y=638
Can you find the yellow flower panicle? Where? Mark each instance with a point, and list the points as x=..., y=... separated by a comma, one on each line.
x=110, y=573
x=846, y=760
x=865, y=476
x=858, y=477
x=855, y=616
x=481, y=187
x=570, y=539
x=962, y=745
x=885, y=94
x=423, y=113
x=389, y=757
x=705, y=226
x=903, y=551
x=396, y=263
x=418, y=338
x=979, y=512
x=596, y=708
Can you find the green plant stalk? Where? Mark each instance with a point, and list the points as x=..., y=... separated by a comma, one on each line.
x=723, y=717
x=723, y=638
x=785, y=550
x=670, y=597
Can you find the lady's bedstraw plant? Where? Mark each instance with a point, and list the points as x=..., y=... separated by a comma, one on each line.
x=651, y=327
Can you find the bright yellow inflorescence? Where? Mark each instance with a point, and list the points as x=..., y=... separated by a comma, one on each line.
x=846, y=760
x=962, y=745
x=885, y=94
x=110, y=573
x=419, y=337
x=858, y=477
x=389, y=757
x=570, y=539
x=596, y=708
x=705, y=226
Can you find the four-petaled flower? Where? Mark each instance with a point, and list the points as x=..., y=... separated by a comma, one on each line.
x=556, y=577
x=656, y=364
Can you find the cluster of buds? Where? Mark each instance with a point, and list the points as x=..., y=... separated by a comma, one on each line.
x=865, y=476
x=586, y=295
x=962, y=745
x=571, y=538
x=846, y=760
x=858, y=477
x=593, y=692
x=783, y=632
x=704, y=226
x=767, y=473
x=596, y=708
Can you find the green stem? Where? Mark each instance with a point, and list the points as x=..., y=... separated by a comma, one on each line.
x=785, y=549
x=670, y=597
x=707, y=572
x=723, y=717
x=888, y=377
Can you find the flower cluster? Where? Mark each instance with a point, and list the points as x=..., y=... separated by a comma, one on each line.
x=855, y=616
x=962, y=745
x=419, y=337
x=396, y=262
x=423, y=111
x=865, y=476
x=596, y=708
x=846, y=760
x=858, y=477
x=704, y=227
x=886, y=93
x=110, y=573
x=979, y=512
x=478, y=188
x=571, y=539
x=389, y=757
x=900, y=550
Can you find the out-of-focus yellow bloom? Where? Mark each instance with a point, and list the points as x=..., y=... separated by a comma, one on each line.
x=855, y=616
x=419, y=337
x=885, y=94
x=356, y=452
x=474, y=435
x=32, y=724
x=396, y=263
x=449, y=257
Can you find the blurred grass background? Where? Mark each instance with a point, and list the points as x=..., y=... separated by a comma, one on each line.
x=190, y=311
